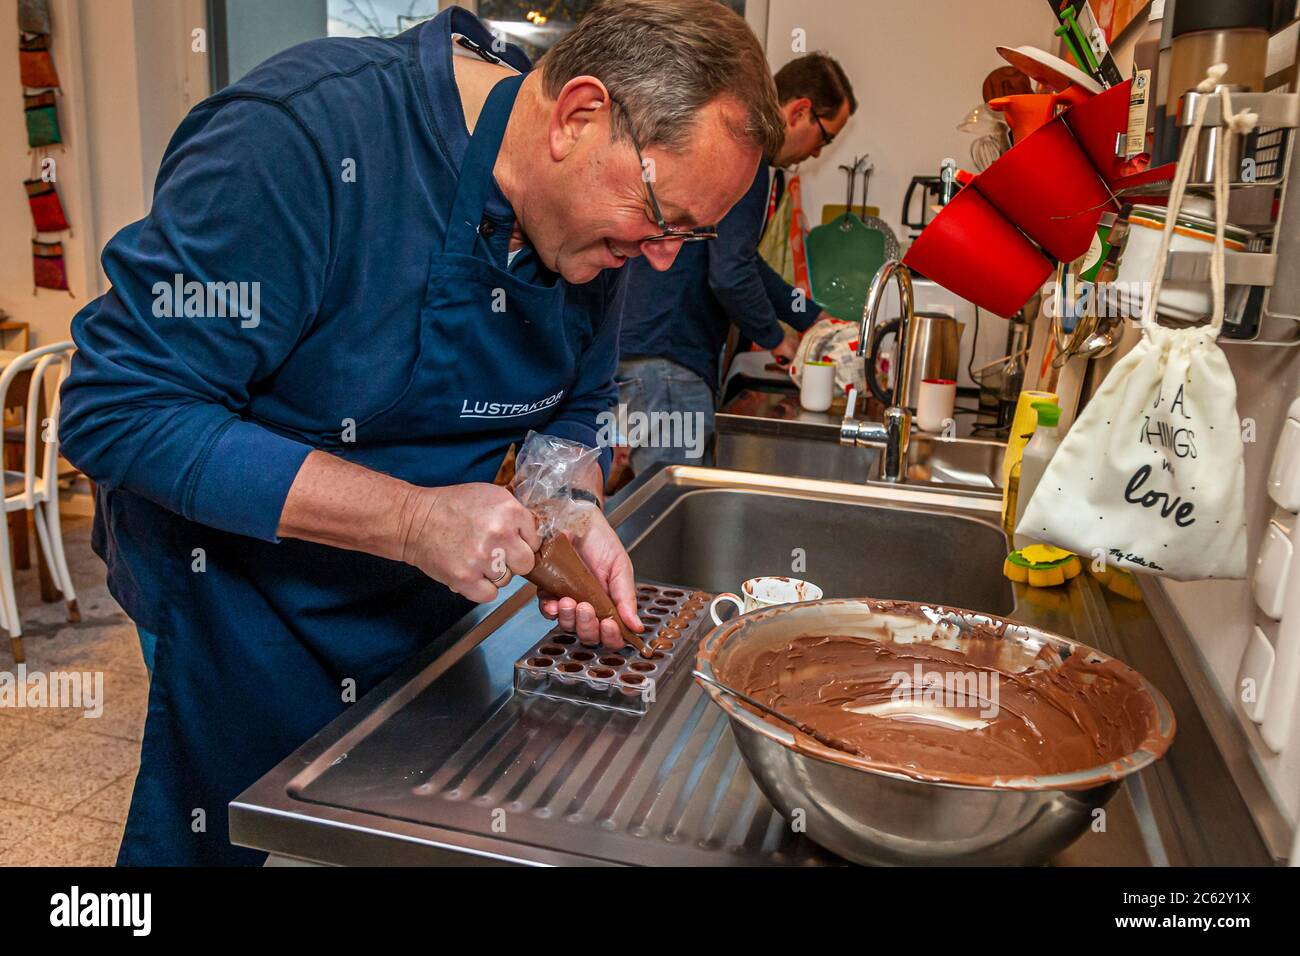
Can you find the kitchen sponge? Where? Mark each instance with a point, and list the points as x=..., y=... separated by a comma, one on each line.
x=1041, y=566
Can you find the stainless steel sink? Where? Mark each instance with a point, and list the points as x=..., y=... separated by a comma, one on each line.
x=442, y=763
x=714, y=538
x=808, y=446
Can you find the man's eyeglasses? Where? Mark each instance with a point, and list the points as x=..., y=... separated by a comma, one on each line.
x=666, y=232
x=827, y=136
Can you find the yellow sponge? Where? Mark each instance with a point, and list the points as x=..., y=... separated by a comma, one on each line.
x=1119, y=581
x=1041, y=566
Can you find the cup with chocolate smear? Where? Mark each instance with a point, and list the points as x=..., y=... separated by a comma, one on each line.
x=766, y=592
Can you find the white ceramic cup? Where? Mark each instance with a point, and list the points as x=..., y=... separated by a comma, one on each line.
x=817, y=387
x=934, y=403
x=766, y=592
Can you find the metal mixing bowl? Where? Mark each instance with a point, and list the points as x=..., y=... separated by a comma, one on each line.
x=875, y=816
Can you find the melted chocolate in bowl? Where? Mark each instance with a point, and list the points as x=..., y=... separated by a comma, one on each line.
x=976, y=710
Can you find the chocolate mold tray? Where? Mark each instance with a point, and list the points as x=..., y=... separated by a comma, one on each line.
x=561, y=667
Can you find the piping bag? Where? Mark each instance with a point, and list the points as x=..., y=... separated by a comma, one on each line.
x=546, y=483
x=561, y=570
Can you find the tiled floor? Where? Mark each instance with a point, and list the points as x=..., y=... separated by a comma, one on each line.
x=65, y=779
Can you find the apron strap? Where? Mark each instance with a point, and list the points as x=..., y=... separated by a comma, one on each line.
x=476, y=167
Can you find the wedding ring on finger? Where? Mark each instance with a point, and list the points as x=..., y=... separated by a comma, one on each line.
x=501, y=580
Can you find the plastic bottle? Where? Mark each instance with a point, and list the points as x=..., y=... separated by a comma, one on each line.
x=1034, y=461
x=1011, y=494
x=1022, y=427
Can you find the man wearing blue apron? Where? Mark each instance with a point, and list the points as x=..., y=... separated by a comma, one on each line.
x=370, y=267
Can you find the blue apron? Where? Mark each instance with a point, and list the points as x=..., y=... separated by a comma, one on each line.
x=258, y=643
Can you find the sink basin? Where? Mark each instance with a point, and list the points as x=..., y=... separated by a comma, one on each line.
x=971, y=464
x=768, y=433
x=715, y=538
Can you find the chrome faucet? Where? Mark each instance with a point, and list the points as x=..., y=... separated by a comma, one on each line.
x=895, y=430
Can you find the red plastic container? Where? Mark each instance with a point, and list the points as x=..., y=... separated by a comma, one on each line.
x=1047, y=187
x=1048, y=190
x=974, y=251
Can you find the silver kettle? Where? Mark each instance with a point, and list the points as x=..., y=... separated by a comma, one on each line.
x=935, y=354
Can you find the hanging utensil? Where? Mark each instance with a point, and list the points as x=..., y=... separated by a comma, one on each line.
x=844, y=255
x=892, y=248
x=1069, y=344
x=1104, y=340
x=851, y=173
x=1110, y=321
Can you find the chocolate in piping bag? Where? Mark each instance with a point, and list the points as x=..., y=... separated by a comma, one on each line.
x=561, y=571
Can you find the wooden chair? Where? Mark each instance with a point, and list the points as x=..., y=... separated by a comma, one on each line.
x=35, y=487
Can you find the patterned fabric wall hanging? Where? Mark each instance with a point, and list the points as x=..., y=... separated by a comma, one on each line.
x=35, y=65
x=48, y=269
x=34, y=16
x=40, y=108
x=42, y=119
x=47, y=210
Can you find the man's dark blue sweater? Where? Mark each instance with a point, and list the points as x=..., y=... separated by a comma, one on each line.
x=684, y=314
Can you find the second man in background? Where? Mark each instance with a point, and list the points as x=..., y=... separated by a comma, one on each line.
x=676, y=322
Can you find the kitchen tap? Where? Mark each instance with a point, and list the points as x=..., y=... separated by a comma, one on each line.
x=893, y=432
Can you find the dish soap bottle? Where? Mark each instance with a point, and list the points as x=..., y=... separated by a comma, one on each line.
x=1022, y=428
x=1033, y=462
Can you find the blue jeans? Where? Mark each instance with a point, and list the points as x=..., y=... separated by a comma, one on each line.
x=669, y=413
x=148, y=644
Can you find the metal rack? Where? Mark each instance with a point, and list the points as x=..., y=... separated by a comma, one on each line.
x=1274, y=162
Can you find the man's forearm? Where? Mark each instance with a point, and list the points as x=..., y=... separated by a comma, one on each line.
x=345, y=505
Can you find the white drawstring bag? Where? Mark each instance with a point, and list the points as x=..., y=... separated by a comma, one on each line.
x=1151, y=474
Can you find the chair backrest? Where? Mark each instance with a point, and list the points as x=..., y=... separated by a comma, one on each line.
x=40, y=426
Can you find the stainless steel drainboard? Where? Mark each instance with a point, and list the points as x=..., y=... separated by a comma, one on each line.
x=668, y=787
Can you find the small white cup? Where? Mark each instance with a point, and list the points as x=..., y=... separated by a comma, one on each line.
x=818, y=386
x=934, y=403
x=766, y=592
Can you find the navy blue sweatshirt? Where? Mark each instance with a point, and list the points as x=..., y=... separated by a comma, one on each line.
x=684, y=314
x=322, y=180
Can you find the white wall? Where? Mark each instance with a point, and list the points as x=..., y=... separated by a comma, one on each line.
x=917, y=68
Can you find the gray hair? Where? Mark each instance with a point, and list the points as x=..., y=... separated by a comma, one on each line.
x=663, y=60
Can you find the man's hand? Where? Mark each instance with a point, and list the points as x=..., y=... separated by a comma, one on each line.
x=609, y=562
x=470, y=537
x=785, y=352
x=462, y=535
